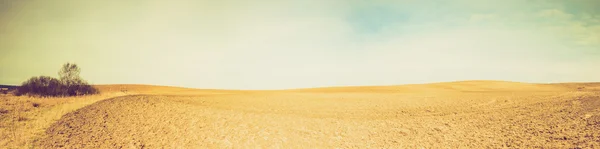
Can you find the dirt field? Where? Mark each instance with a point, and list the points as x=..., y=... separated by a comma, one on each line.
x=471, y=114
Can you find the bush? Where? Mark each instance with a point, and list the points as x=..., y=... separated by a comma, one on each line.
x=47, y=86
x=81, y=89
x=41, y=86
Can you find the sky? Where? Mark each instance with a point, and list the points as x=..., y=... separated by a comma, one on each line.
x=281, y=44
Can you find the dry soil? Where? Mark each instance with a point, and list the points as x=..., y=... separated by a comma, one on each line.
x=446, y=115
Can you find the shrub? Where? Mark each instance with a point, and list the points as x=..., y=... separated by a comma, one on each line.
x=70, y=84
x=41, y=86
x=81, y=89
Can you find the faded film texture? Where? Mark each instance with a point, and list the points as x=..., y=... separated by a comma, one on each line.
x=299, y=74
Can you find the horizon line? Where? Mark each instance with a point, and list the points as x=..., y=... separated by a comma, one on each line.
x=300, y=88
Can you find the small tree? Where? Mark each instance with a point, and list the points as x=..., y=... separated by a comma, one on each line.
x=69, y=74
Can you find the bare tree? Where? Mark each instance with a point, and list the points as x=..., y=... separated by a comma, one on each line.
x=69, y=74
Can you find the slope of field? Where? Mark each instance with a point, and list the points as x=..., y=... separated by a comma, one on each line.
x=23, y=120
x=470, y=114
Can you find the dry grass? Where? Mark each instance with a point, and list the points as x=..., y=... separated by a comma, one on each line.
x=28, y=117
x=470, y=114
x=24, y=119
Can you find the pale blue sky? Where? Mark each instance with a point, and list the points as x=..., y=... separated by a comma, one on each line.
x=273, y=44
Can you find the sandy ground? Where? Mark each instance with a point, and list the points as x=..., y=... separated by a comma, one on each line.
x=446, y=115
x=24, y=120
